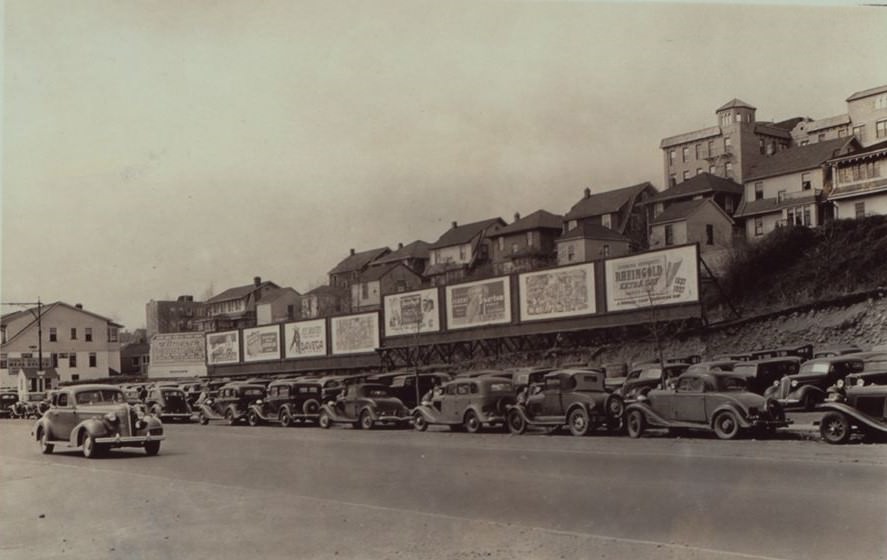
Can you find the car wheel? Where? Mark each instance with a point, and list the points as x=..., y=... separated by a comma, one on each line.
x=471, y=422
x=726, y=425
x=253, y=419
x=419, y=422
x=90, y=448
x=324, y=421
x=229, y=417
x=579, y=422
x=834, y=428
x=202, y=419
x=43, y=440
x=635, y=423
x=366, y=420
x=285, y=419
x=310, y=406
x=152, y=448
x=516, y=423
x=809, y=401
x=615, y=414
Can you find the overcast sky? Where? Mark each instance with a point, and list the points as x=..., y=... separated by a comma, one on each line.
x=153, y=148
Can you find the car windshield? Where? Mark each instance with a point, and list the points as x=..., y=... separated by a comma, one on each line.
x=500, y=387
x=173, y=394
x=731, y=384
x=252, y=392
x=652, y=373
x=97, y=396
x=815, y=367
x=375, y=392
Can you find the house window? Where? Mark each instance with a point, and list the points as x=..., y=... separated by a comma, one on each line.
x=88, y=334
x=728, y=170
x=759, y=190
x=881, y=101
x=686, y=175
x=709, y=234
x=53, y=335
x=605, y=251
x=859, y=132
x=759, y=226
x=605, y=220
x=501, y=244
x=462, y=253
x=54, y=360
x=805, y=182
x=672, y=180
x=711, y=148
x=711, y=169
x=365, y=290
x=728, y=144
x=860, y=210
x=571, y=252
x=699, y=171
x=807, y=216
x=671, y=157
x=74, y=377
x=842, y=132
x=112, y=334
x=881, y=129
x=73, y=333
x=728, y=205
x=92, y=359
x=529, y=239
x=821, y=137
x=762, y=147
x=780, y=196
x=698, y=151
x=72, y=359
x=4, y=363
x=514, y=248
x=685, y=153
x=669, y=235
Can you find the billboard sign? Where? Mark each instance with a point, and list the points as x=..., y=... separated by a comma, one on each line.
x=305, y=338
x=655, y=278
x=561, y=292
x=411, y=313
x=178, y=348
x=261, y=343
x=223, y=348
x=486, y=302
x=355, y=334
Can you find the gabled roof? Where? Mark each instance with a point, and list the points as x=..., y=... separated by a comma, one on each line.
x=377, y=272
x=799, y=158
x=682, y=210
x=589, y=230
x=326, y=290
x=771, y=129
x=540, y=219
x=692, y=136
x=699, y=184
x=277, y=294
x=415, y=250
x=606, y=202
x=240, y=291
x=735, y=103
x=828, y=122
x=460, y=235
x=359, y=261
x=867, y=92
x=789, y=124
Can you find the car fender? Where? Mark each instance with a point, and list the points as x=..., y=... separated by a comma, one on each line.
x=854, y=414
x=650, y=415
x=741, y=415
x=91, y=426
x=331, y=412
x=426, y=413
x=802, y=391
x=41, y=424
x=591, y=411
x=522, y=410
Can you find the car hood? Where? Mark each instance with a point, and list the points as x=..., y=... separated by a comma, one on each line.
x=102, y=409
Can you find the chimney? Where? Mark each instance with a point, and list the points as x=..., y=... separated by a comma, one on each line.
x=399, y=245
x=455, y=225
x=587, y=193
x=352, y=251
x=79, y=306
x=516, y=216
x=257, y=280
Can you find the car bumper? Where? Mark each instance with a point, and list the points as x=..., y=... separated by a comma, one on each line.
x=768, y=423
x=129, y=440
x=175, y=415
x=788, y=402
x=392, y=419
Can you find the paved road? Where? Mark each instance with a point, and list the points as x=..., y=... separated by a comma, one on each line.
x=237, y=492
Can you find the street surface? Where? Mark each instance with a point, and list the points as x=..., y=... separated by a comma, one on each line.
x=219, y=492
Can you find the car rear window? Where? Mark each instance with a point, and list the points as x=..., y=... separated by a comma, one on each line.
x=252, y=392
x=503, y=387
x=731, y=384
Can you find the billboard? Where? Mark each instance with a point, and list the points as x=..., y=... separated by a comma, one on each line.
x=411, y=313
x=261, y=343
x=654, y=278
x=486, y=302
x=355, y=334
x=223, y=347
x=305, y=339
x=561, y=292
x=178, y=348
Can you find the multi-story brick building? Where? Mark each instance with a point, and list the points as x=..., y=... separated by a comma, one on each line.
x=526, y=244
x=182, y=315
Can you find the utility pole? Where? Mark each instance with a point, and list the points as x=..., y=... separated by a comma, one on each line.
x=39, y=316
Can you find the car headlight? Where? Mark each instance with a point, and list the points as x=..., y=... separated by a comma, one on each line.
x=776, y=383
x=860, y=382
x=794, y=382
x=840, y=384
x=259, y=401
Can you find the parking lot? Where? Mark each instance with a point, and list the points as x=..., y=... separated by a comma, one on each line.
x=231, y=492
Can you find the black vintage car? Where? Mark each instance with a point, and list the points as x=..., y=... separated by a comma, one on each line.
x=287, y=402
x=809, y=386
x=576, y=398
x=168, y=403
x=760, y=374
x=403, y=384
x=643, y=378
x=855, y=409
x=363, y=405
x=7, y=402
x=874, y=370
x=231, y=404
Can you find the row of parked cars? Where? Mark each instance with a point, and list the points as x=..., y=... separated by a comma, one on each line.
x=725, y=395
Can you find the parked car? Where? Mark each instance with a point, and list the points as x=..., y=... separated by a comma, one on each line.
x=719, y=402
x=287, y=402
x=856, y=409
x=364, y=405
x=8, y=399
x=808, y=387
x=231, y=404
x=192, y=392
x=168, y=402
x=615, y=373
x=874, y=370
x=837, y=350
x=403, y=384
x=576, y=398
x=803, y=351
x=33, y=405
x=643, y=378
x=468, y=403
x=760, y=374
x=96, y=418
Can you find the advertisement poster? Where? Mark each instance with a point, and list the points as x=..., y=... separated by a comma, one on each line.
x=178, y=348
x=261, y=343
x=305, y=339
x=411, y=313
x=355, y=334
x=656, y=278
x=487, y=302
x=563, y=292
x=223, y=348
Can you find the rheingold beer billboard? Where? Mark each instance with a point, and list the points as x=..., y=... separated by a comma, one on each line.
x=656, y=278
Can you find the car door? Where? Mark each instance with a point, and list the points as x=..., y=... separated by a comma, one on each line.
x=62, y=417
x=688, y=400
x=551, y=397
